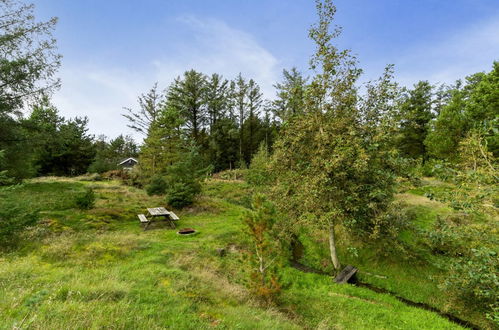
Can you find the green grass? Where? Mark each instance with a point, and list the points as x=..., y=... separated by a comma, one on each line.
x=410, y=269
x=98, y=269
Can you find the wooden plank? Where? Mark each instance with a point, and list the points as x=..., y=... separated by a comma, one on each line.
x=346, y=275
x=174, y=216
x=157, y=211
x=142, y=218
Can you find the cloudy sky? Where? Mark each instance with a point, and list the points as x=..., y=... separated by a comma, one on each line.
x=115, y=50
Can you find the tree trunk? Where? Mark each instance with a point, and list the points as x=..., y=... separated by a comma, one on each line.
x=332, y=247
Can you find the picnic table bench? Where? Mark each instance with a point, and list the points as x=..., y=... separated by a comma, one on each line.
x=158, y=214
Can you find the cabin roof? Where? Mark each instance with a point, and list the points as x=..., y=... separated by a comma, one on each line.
x=130, y=158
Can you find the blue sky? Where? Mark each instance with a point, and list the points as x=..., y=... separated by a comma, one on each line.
x=114, y=50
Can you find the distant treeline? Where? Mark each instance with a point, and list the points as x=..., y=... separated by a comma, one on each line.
x=226, y=119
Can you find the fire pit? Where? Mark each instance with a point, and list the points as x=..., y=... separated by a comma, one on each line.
x=186, y=231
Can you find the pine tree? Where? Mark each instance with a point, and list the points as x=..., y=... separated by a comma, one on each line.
x=217, y=98
x=163, y=144
x=150, y=105
x=416, y=114
x=239, y=94
x=290, y=95
x=255, y=100
x=187, y=96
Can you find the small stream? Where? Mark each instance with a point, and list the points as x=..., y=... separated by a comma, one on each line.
x=406, y=301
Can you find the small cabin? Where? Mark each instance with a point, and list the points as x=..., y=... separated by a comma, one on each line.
x=128, y=163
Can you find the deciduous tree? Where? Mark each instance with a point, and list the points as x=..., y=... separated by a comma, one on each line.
x=329, y=172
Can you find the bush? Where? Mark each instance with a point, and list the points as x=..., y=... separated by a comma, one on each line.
x=445, y=239
x=184, y=178
x=439, y=169
x=181, y=195
x=86, y=201
x=475, y=281
x=134, y=178
x=157, y=186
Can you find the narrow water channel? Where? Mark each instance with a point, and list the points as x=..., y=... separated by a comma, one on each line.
x=408, y=302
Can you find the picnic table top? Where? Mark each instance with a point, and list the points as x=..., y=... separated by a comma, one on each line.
x=158, y=211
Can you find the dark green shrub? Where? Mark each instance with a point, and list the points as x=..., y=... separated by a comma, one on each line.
x=181, y=194
x=86, y=201
x=184, y=178
x=157, y=186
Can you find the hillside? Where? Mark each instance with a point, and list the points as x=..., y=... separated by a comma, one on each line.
x=99, y=269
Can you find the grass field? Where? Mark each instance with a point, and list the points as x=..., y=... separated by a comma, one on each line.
x=98, y=269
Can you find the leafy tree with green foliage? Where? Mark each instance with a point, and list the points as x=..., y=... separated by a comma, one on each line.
x=43, y=128
x=58, y=146
x=475, y=280
x=474, y=155
x=328, y=171
x=449, y=128
x=76, y=150
x=416, y=114
x=28, y=64
x=472, y=105
x=28, y=58
x=18, y=144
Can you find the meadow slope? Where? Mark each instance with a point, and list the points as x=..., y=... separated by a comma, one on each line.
x=98, y=269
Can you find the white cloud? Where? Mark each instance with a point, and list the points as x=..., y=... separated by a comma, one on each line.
x=218, y=48
x=99, y=94
x=464, y=52
x=100, y=91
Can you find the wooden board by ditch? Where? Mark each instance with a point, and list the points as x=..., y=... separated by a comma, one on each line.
x=346, y=275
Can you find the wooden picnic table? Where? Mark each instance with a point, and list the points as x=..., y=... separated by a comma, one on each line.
x=162, y=214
